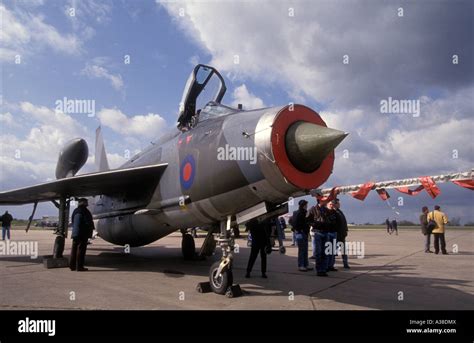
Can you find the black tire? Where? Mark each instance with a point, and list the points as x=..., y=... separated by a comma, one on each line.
x=220, y=284
x=188, y=248
x=58, y=248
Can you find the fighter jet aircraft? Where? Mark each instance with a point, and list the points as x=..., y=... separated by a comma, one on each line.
x=203, y=174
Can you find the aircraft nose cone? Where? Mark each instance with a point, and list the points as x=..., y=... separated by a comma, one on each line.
x=308, y=144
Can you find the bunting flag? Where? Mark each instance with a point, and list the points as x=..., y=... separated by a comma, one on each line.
x=383, y=194
x=469, y=184
x=332, y=195
x=430, y=186
x=363, y=191
x=408, y=191
x=463, y=179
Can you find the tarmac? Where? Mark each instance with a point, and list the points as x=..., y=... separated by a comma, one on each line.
x=394, y=274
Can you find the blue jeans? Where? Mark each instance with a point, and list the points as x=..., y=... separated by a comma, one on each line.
x=321, y=237
x=345, y=260
x=332, y=238
x=5, y=229
x=302, y=251
x=427, y=241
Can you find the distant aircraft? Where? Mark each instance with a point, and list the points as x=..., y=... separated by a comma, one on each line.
x=221, y=167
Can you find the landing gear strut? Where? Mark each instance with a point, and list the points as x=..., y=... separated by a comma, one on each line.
x=61, y=231
x=220, y=274
x=57, y=260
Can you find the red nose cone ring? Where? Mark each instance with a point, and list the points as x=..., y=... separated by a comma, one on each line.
x=283, y=120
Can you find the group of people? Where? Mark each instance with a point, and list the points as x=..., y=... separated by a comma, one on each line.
x=433, y=223
x=392, y=226
x=328, y=226
x=325, y=223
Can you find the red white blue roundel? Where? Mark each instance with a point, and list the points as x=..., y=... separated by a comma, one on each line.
x=187, y=172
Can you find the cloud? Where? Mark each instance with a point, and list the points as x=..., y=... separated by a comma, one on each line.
x=409, y=57
x=6, y=119
x=90, y=10
x=32, y=158
x=304, y=54
x=99, y=72
x=149, y=125
x=24, y=33
x=249, y=101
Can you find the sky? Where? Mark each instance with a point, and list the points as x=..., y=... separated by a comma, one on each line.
x=341, y=58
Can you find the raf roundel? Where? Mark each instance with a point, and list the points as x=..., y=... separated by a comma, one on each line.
x=187, y=172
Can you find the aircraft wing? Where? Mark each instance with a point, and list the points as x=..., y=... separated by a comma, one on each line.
x=102, y=183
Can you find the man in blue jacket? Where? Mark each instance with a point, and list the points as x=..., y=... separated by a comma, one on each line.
x=82, y=228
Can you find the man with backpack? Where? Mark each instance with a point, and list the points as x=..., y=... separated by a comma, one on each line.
x=438, y=232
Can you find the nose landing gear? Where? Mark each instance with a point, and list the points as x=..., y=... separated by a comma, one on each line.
x=220, y=274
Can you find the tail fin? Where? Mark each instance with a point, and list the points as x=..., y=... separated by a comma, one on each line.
x=101, y=162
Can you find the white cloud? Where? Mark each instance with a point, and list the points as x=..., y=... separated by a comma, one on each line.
x=194, y=60
x=248, y=100
x=97, y=71
x=303, y=55
x=149, y=125
x=32, y=159
x=7, y=119
x=24, y=33
x=90, y=10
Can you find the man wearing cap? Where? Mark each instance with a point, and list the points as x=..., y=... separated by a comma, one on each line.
x=82, y=228
x=302, y=231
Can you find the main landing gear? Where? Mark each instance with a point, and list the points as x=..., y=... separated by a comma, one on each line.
x=57, y=260
x=188, y=247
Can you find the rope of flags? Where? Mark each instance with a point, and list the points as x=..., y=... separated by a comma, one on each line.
x=422, y=183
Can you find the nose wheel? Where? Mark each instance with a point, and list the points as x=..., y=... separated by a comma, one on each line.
x=220, y=280
x=220, y=274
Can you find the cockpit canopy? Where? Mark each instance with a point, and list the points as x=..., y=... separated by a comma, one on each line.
x=205, y=86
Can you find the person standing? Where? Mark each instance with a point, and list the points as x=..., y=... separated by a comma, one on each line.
x=441, y=220
x=280, y=232
x=301, y=232
x=315, y=214
x=260, y=241
x=293, y=231
x=332, y=226
x=424, y=228
x=6, y=220
x=82, y=228
x=394, y=226
x=389, y=226
x=342, y=230
x=317, y=218
x=282, y=227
